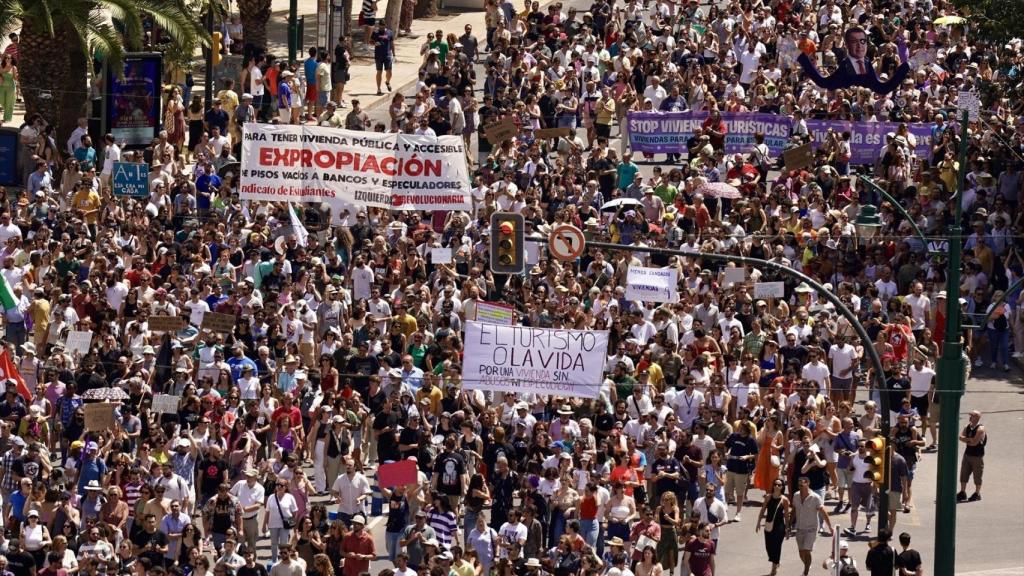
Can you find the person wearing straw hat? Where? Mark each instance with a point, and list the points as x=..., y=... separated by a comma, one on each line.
x=250, y=494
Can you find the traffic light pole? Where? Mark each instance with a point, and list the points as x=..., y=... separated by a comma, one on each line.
x=208, y=88
x=869, y=349
x=950, y=384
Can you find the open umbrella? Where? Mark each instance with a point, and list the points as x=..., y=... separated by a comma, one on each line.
x=110, y=393
x=621, y=203
x=720, y=190
x=946, y=20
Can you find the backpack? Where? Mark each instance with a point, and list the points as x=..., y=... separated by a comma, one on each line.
x=847, y=569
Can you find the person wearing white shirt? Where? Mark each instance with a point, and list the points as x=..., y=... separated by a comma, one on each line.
x=111, y=154
x=250, y=495
x=843, y=356
x=349, y=490
x=362, y=278
x=816, y=370
x=655, y=92
x=75, y=139
x=920, y=308
x=712, y=511
x=638, y=404
x=687, y=404
x=922, y=386
x=281, y=507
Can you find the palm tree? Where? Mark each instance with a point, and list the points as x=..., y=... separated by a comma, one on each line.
x=59, y=36
x=254, y=15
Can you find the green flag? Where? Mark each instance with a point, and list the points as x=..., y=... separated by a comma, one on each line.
x=7, y=298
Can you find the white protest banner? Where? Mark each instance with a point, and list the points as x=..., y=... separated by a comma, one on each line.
x=769, y=290
x=734, y=275
x=534, y=360
x=441, y=255
x=78, y=341
x=165, y=403
x=490, y=313
x=289, y=163
x=652, y=284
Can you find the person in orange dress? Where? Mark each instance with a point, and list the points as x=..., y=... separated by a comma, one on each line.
x=769, y=443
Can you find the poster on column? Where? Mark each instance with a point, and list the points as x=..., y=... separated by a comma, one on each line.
x=534, y=360
x=652, y=284
x=347, y=168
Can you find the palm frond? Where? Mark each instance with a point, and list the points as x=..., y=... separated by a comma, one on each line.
x=172, y=16
x=97, y=34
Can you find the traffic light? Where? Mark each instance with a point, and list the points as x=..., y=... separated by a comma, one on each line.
x=876, y=460
x=508, y=253
x=216, y=45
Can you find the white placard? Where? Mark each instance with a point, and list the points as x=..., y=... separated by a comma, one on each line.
x=165, y=403
x=652, y=284
x=972, y=103
x=282, y=163
x=78, y=341
x=534, y=360
x=764, y=290
x=734, y=275
x=441, y=255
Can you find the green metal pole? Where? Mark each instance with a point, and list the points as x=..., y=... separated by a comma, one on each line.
x=293, y=27
x=950, y=388
x=899, y=207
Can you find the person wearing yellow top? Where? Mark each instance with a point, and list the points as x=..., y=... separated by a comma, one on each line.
x=39, y=311
x=406, y=322
x=87, y=202
x=432, y=394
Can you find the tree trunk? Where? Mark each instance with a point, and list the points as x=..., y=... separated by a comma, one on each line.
x=346, y=19
x=46, y=77
x=392, y=14
x=254, y=15
x=425, y=9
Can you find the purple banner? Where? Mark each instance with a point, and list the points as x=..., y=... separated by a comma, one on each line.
x=664, y=132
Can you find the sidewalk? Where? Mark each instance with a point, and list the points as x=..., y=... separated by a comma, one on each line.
x=362, y=84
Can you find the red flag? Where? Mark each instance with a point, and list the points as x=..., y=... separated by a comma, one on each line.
x=8, y=371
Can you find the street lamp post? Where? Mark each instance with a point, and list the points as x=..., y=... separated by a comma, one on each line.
x=951, y=380
x=899, y=208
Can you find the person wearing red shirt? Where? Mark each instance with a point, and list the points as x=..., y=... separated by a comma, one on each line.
x=357, y=548
x=715, y=128
x=288, y=410
x=699, y=554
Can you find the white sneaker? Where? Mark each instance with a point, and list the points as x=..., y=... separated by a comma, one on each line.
x=978, y=363
x=737, y=518
x=992, y=365
x=1006, y=367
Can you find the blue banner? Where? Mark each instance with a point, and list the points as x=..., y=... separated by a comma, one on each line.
x=9, y=158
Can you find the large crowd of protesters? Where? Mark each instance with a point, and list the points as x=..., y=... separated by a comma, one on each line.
x=719, y=412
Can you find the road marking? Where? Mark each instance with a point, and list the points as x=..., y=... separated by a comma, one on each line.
x=1015, y=571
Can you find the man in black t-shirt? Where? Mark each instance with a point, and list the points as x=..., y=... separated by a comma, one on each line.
x=667, y=473
x=150, y=543
x=385, y=424
x=213, y=470
x=908, y=560
x=20, y=562
x=450, y=478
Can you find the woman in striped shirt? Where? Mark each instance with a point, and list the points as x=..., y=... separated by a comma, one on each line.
x=444, y=522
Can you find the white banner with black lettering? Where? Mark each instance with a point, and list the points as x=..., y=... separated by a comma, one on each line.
x=534, y=360
x=282, y=163
x=652, y=284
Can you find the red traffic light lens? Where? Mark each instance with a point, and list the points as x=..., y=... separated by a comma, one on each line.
x=506, y=228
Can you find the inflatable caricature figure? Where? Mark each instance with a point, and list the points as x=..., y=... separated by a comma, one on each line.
x=855, y=67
